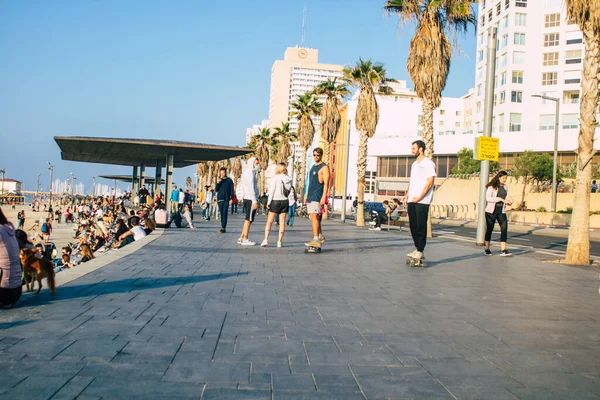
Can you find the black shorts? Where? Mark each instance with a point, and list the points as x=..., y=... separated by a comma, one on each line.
x=279, y=206
x=250, y=212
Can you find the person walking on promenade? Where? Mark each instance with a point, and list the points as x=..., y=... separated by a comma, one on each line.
x=318, y=187
x=495, y=195
x=21, y=219
x=234, y=204
x=419, y=197
x=10, y=264
x=208, y=198
x=277, y=202
x=250, y=196
x=174, y=199
x=180, y=200
x=225, y=195
x=293, y=199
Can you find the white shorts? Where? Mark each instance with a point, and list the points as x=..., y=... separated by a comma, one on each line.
x=313, y=207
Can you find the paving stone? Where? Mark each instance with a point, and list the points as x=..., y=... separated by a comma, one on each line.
x=192, y=311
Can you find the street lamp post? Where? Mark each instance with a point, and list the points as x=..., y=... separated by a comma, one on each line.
x=73, y=184
x=556, y=100
x=51, y=168
x=37, y=188
x=3, y=171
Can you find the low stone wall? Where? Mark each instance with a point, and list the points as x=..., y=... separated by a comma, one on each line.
x=547, y=218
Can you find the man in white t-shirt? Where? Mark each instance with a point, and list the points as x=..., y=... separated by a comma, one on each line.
x=135, y=233
x=419, y=197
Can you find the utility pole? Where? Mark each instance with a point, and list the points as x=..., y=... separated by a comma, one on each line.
x=484, y=174
x=94, y=186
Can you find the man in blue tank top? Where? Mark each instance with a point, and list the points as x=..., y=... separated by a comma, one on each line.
x=316, y=197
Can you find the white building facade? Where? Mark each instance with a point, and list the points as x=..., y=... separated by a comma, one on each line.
x=399, y=125
x=539, y=52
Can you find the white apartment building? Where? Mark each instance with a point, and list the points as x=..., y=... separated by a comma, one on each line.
x=298, y=72
x=255, y=130
x=388, y=164
x=539, y=52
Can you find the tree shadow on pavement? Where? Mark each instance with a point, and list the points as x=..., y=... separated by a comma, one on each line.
x=69, y=291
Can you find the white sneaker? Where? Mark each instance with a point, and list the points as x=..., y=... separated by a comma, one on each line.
x=419, y=256
x=239, y=241
x=279, y=244
x=371, y=222
x=264, y=243
x=377, y=228
x=247, y=242
x=412, y=254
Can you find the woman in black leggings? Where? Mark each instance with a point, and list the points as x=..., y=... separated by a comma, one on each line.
x=496, y=194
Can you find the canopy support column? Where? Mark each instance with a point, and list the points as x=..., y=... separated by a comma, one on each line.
x=134, y=182
x=157, y=179
x=142, y=175
x=169, y=182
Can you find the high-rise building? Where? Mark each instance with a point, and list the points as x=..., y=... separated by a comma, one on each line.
x=539, y=52
x=298, y=72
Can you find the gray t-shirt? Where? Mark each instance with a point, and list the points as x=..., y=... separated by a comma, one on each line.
x=9, y=258
x=502, y=192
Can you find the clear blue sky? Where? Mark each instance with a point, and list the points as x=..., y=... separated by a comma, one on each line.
x=184, y=70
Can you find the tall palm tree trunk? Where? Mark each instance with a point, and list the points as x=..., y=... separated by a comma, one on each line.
x=578, y=247
x=427, y=124
x=302, y=180
x=361, y=171
x=327, y=153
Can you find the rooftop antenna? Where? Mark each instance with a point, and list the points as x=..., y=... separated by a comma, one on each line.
x=303, y=25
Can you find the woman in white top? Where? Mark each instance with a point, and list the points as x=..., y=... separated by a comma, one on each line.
x=186, y=221
x=496, y=195
x=278, y=203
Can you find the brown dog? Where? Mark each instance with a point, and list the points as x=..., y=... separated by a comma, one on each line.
x=37, y=269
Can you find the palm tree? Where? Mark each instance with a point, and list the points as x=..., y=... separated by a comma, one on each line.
x=586, y=14
x=330, y=114
x=202, y=170
x=236, y=170
x=261, y=143
x=285, y=138
x=369, y=78
x=306, y=106
x=430, y=49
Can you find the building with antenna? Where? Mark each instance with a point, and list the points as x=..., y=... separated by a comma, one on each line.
x=298, y=72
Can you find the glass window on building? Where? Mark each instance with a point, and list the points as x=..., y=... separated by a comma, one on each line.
x=504, y=40
x=501, y=123
x=517, y=77
x=571, y=97
x=498, y=8
x=549, y=78
x=520, y=19
x=572, y=77
x=502, y=97
x=547, y=122
x=573, y=57
x=442, y=166
x=516, y=96
x=519, y=57
x=519, y=38
x=521, y=3
x=551, y=39
x=503, y=78
x=551, y=20
x=506, y=4
x=393, y=166
x=570, y=121
x=402, y=167
x=550, y=59
x=515, y=122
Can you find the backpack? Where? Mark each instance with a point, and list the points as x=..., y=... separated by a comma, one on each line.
x=44, y=228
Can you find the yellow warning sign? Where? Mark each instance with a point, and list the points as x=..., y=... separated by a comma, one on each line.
x=487, y=148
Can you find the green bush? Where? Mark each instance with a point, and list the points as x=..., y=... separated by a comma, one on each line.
x=541, y=209
x=568, y=210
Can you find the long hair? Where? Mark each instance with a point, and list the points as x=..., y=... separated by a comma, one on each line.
x=3, y=220
x=495, y=182
x=281, y=169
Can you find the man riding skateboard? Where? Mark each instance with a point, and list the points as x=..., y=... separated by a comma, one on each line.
x=318, y=187
x=419, y=198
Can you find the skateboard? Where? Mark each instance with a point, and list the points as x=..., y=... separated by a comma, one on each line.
x=414, y=262
x=312, y=249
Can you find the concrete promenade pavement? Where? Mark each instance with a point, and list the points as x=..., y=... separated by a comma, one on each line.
x=193, y=315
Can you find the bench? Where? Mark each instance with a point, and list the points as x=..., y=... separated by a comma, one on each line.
x=400, y=222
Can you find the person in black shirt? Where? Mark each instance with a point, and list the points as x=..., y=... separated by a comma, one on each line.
x=225, y=195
